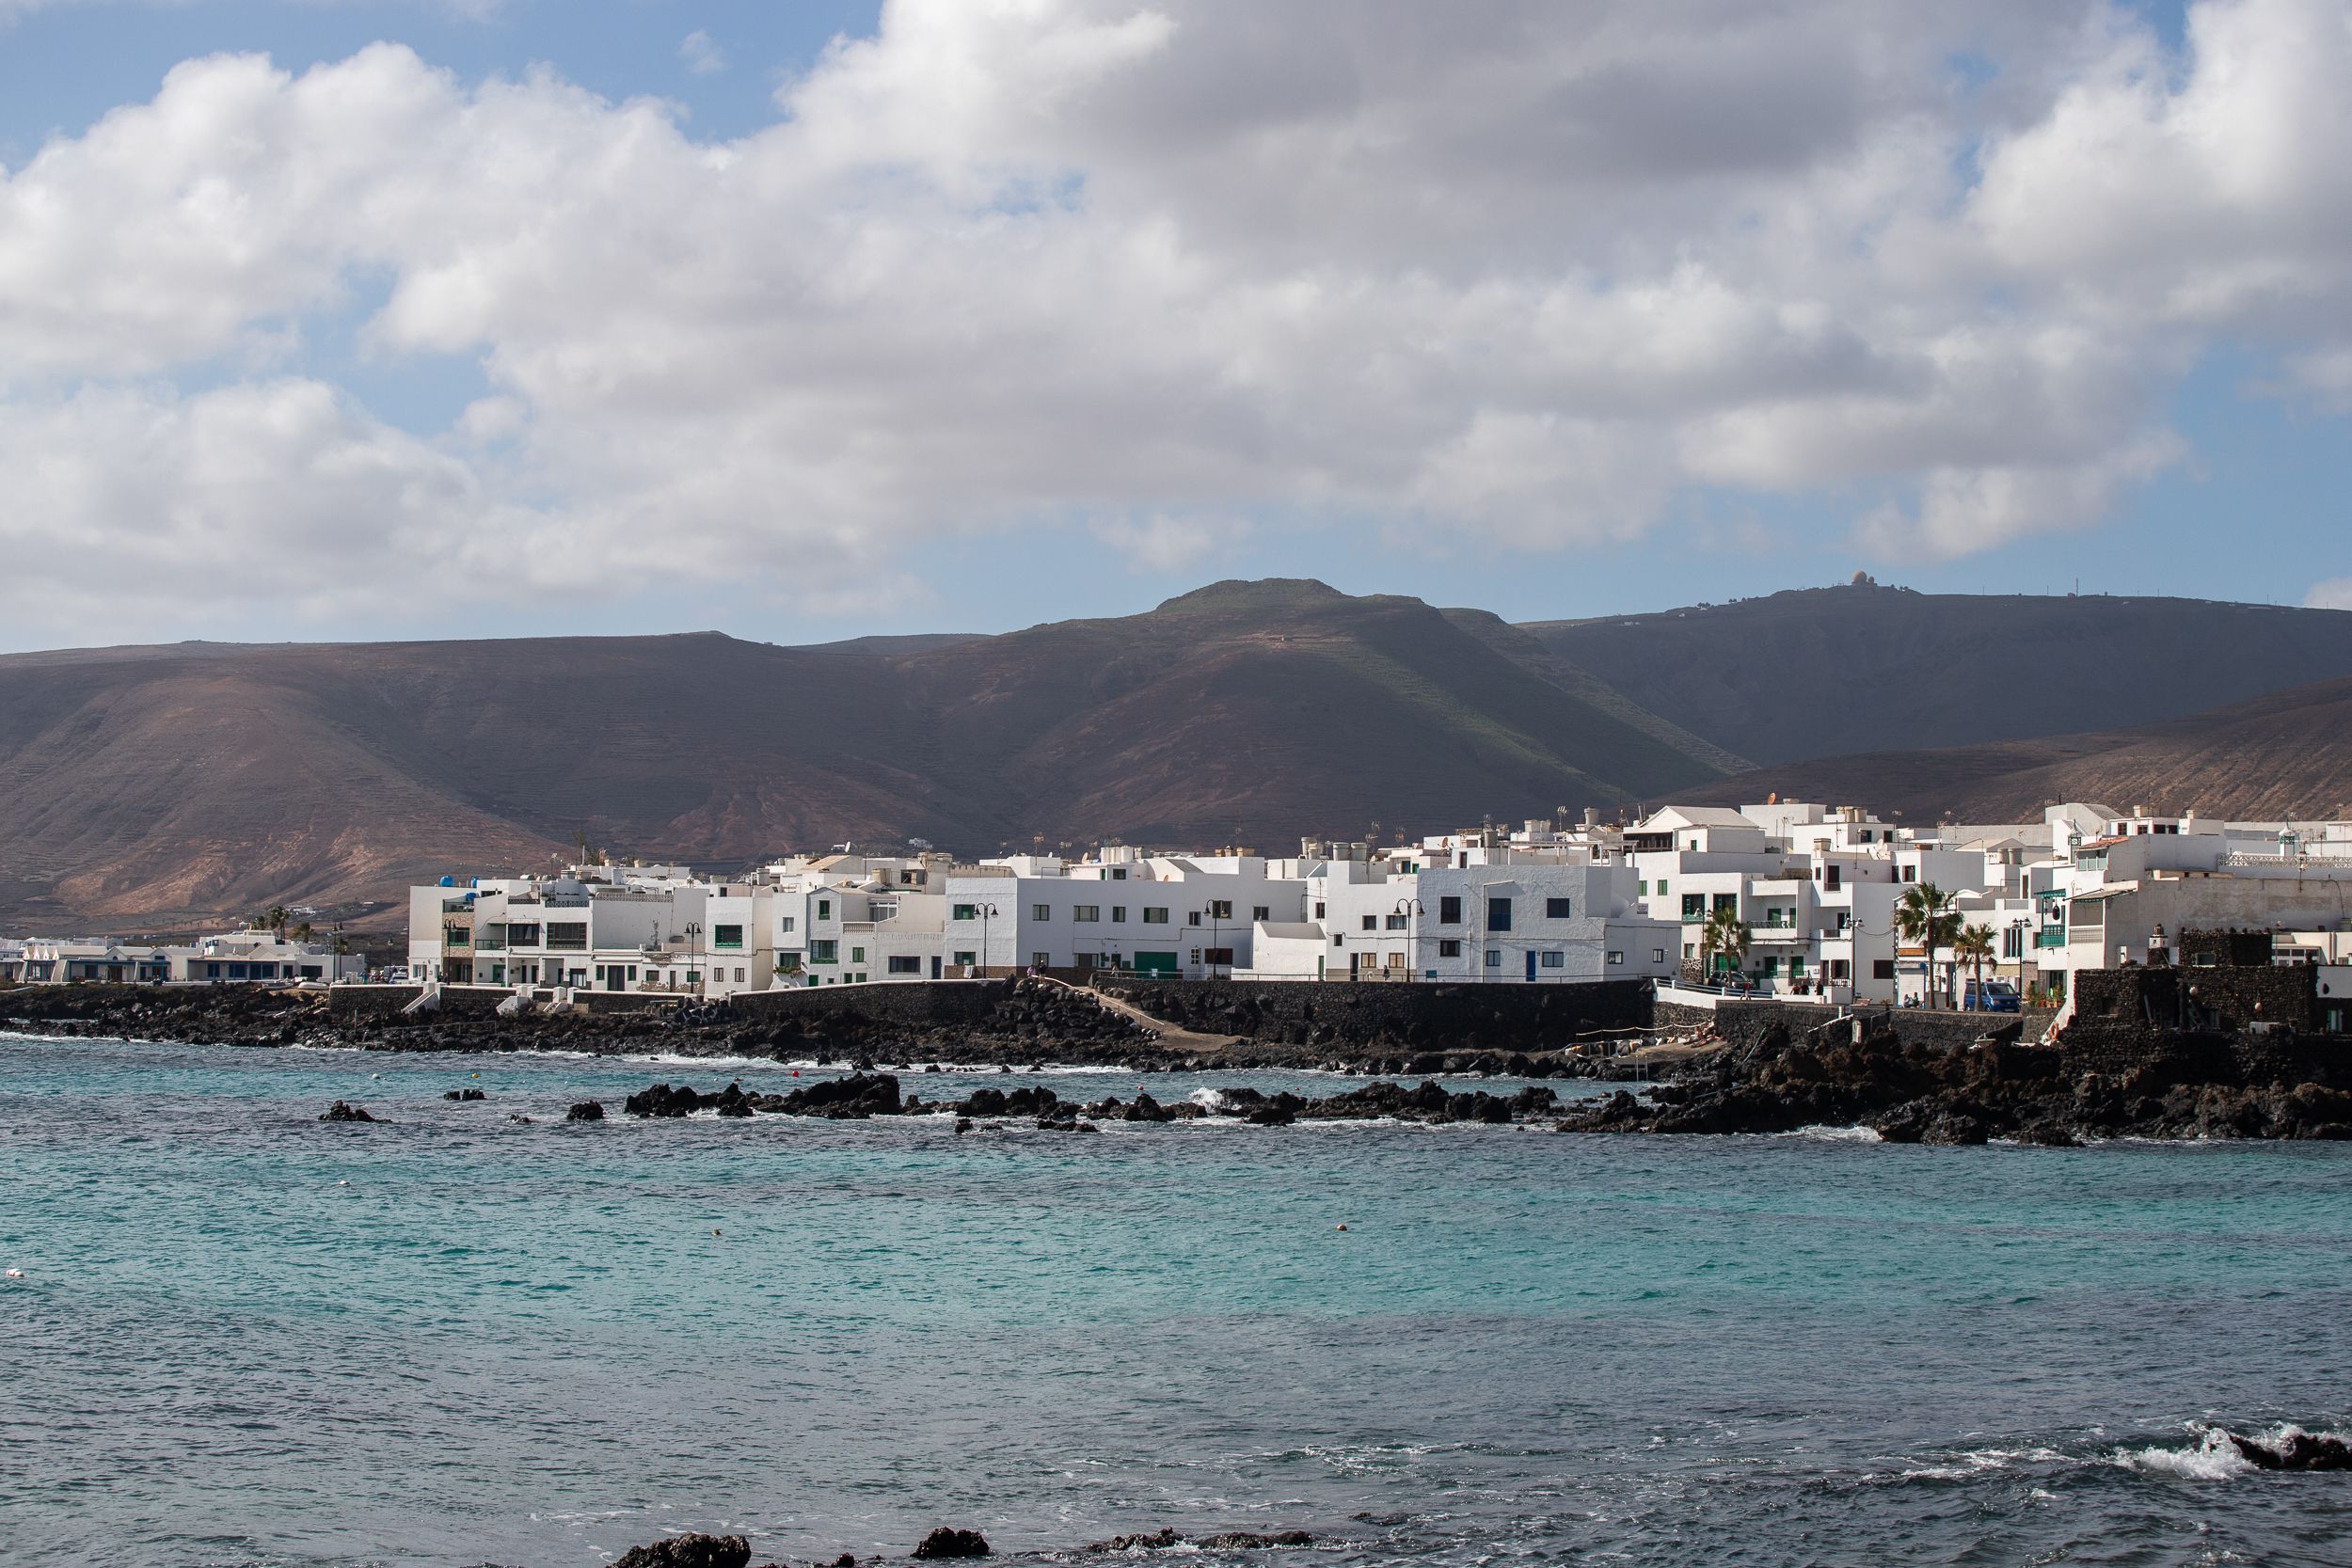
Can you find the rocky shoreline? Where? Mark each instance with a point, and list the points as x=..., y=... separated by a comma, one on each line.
x=1996, y=1089
x=1033, y=1023
x=2111, y=1075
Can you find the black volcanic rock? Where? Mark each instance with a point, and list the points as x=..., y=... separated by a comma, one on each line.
x=690, y=1551
x=948, y=1542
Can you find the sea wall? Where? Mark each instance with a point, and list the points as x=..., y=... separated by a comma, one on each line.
x=382, y=1004
x=916, y=1003
x=1742, y=1024
x=1410, y=1016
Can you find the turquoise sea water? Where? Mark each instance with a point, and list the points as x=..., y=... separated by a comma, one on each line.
x=242, y=1336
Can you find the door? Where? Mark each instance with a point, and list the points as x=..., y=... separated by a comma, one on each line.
x=1531, y=966
x=935, y=963
x=617, y=978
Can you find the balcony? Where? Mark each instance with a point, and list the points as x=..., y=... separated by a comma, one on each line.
x=2052, y=936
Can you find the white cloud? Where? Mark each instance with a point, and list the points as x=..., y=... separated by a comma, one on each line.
x=701, y=57
x=2334, y=594
x=1512, y=274
x=1170, y=543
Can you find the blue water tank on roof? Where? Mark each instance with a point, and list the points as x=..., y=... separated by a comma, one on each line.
x=449, y=881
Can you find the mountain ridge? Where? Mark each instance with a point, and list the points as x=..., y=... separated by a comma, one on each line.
x=194, y=782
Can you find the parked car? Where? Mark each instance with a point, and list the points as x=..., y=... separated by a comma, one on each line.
x=1990, y=996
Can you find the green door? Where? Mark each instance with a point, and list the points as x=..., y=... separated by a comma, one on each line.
x=1160, y=965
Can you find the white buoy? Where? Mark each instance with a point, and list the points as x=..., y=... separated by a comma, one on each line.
x=15, y=1273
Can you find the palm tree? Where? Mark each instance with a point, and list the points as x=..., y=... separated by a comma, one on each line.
x=1974, y=947
x=276, y=920
x=1724, y=935
x=1924, y=914
x=303, y=933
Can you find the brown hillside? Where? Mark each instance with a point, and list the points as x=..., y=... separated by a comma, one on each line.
x=2287, y=754
x=143, y=786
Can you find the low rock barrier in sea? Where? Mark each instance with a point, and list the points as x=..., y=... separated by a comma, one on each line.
x=1396, y=1017
x=861, y=1096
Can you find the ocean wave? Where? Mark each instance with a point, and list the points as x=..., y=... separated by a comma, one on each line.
x=1823, y=1133
x=2221, y=1454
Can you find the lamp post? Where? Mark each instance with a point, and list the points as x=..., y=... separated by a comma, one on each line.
x=986, y=911
x=693, y=931
x=1410, y=909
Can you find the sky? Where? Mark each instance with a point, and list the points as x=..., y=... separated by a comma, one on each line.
x=355, y=319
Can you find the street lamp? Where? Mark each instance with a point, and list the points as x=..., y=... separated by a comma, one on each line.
x=693, y=969
x=986, y=912
x=1410, y=909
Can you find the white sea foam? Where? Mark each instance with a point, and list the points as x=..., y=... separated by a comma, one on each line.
x=2215, y=1457
x=1836, y=1135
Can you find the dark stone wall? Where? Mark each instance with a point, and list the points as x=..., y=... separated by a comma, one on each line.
x=2202, y=948
x=1745, y=1023
x=379, y=1003
x=2224, y=998
x=1408, y=1015
x=921, y=1004
x=2245, y=1025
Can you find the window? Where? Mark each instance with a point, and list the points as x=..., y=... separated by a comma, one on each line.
x=1555, y=960
x=1371, y=923
x=1556, y=909
x=1796, y=968
x=572, y=934
x=726, y=936
x=1339, y=942
x=1217, y=955
x=1911, y=873
x=1318, y=909
x=1882, y=969
x=1119, y=873
x=1040, y=912
x=1118, y=914
x=1727, y=901
x=1260, y=912
x=1192, y=917
x=1091, y=914
x=967, y=912
x=1657, y=955
x=1494, y=958
x=905, y=965
x=1042, y=960
x=823, y=953
x=787, y=922
x=1449, y=949
x=1396, y=961
x=738, y=974
x=1449, y=911
x=456, y=936
x=1498, y=914
x=1695, y=906
x=1396, y=923
x=1154, y=917
x=1220, y=909
x=825, y=909
x=1689, y=949
x=1196, y=955
x=1771, y=967
x=970, y=960
x=522, y=936
x=857, y=955
x=1616, y=958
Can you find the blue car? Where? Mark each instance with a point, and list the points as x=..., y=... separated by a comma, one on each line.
x=1990, y=996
